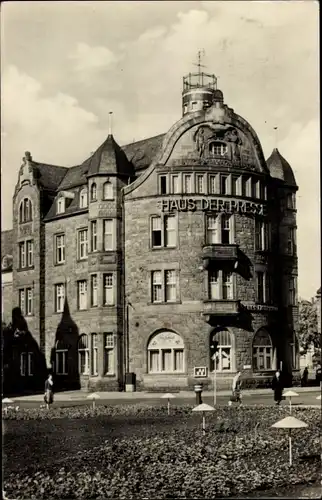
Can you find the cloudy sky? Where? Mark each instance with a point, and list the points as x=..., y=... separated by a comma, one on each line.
x=65, y=65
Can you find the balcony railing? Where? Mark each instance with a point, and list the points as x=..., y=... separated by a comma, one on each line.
x=221, y=307
x=220, y=252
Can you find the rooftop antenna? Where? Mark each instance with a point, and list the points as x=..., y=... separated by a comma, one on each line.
x=201, y=53
x=110, y=122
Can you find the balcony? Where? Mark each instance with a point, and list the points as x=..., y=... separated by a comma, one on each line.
x=221, y=252
x=220, y=308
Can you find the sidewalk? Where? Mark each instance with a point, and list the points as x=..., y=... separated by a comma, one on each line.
x=132, y=396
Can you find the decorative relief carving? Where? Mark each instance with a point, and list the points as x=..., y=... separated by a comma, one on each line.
x=168, y=339
x=25, y=230
x=107, y=259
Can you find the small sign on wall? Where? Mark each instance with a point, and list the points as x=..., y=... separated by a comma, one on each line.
x=247, y=367
x=200, y=371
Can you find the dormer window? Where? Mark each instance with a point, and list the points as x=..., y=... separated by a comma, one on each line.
x=25, y=211
x=61, y=205
x=108, y=191
x=83, y=201
x=93, y=192
x=217, y=148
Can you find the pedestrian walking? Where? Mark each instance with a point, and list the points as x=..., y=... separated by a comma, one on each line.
x=277, y=386
x=305, y=377
x=49, y=391
x=236, y=389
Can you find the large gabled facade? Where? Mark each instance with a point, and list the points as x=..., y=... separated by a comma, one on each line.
x=138, y=259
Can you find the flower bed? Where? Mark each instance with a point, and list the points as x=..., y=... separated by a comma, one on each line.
x=176, y=462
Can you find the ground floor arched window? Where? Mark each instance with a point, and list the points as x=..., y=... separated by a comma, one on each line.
x=83, y=355
x=263, y=352
x=166, y=353
x=224, y=357
x=61, y=358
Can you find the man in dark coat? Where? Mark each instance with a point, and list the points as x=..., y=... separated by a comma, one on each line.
x=277, y=386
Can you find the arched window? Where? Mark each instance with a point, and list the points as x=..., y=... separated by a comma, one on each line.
x=83, y=355
x=61, y=360
x=93, y=192
x=263, y=353
x=95, y=354
x=224, y=351
x=166, y=353
x=83, y=202
x=25, y=211
x=108, y=191
x=217, y=148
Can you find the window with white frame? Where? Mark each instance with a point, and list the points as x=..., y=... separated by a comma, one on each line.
x=22, y=300
x=82, y=245
x=108, y=191
x=108, y=292
x=255, y=188
x=163, y=182
x=187, y=183
x=94, y=290
x=212, y=229
x=200, y=184
x=260, y=287
x=226, y=233
x=291, y=240
x=263, y=354
x=29, y=301
x=220, y=285
x=224, y=184
x=224, y=351
x=59, y=297
x=292, y=291
x=94, y=236
x=61, y=205
x=108, y=353
x=30, y=253
x=83, y=198
x=26, y=364
x=61, y=358
x=218, y=148
x=164, y=231
x=108, y=226
x=82, y=294
x=170, y=286
x=26, y=254
x=83, y=355
x=25, y=211
x=234, y=185
x=60, y=248
x=164, y=286
x=94, y=354
x=166, y=353
x=93, y=192
x=261, y=235
x=175, y=184
x=245, y=185
x=157, y=286
x=290, y=201
x=213, y=184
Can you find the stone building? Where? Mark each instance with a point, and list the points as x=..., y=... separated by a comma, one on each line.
x=138, y=259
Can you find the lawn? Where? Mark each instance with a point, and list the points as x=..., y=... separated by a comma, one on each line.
x=141, y=452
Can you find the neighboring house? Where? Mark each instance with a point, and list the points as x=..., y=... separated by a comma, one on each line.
x=137, y=259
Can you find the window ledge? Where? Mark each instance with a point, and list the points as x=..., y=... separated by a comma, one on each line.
x=83, y=259
x=174, y=302
x=29, y=268
x=59, y=263
x=164, y=248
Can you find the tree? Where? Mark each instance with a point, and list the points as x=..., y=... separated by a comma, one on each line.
x=308, y=326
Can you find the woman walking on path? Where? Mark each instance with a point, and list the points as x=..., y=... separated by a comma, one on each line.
x=49, y=392
x=277, y=386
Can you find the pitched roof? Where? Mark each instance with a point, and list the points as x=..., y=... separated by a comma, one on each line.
x=75, y=176
x=142, y=153
x=49, y=176
x=280, y=168
x=109, y=158
x=6, y=242
x=319, y=291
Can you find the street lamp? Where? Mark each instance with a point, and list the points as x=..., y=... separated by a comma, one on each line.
x=214, y=355
x=290, y=423
x=203, y=408
x=290, y=394
x=168, y=396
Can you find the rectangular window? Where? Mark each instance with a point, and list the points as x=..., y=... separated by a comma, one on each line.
x=156, y=232
x=154, y=361
x=59, y=297
x=30, y=253
x=199, y=184
x=291, y=292
x=94, y=236
x=166, y=357
x=23, y=364
x=163, y=184
x=260, y=287
x=291, y=243
x=170, y=233
x=178, y=360
x=225, y=229
x=175, y=184
x=234, y=185
x=244, y=186
x=95, y=354
x=60, y=248
x=213, y=184
x=61, y=205
x=22, y=301
x=212, y=229
x=227, y=285
x=109, y=353
x=289, y=201
x=156, y=286
x=261, y=235
x=170, y=286
x=22, y=255
x=214, y=290
x=82, y=294
x=108, y=234
x=223, y=184
x=82, y=244
x=29, y=301
x=108, y=289
x=187, y=183
x=94, y=290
